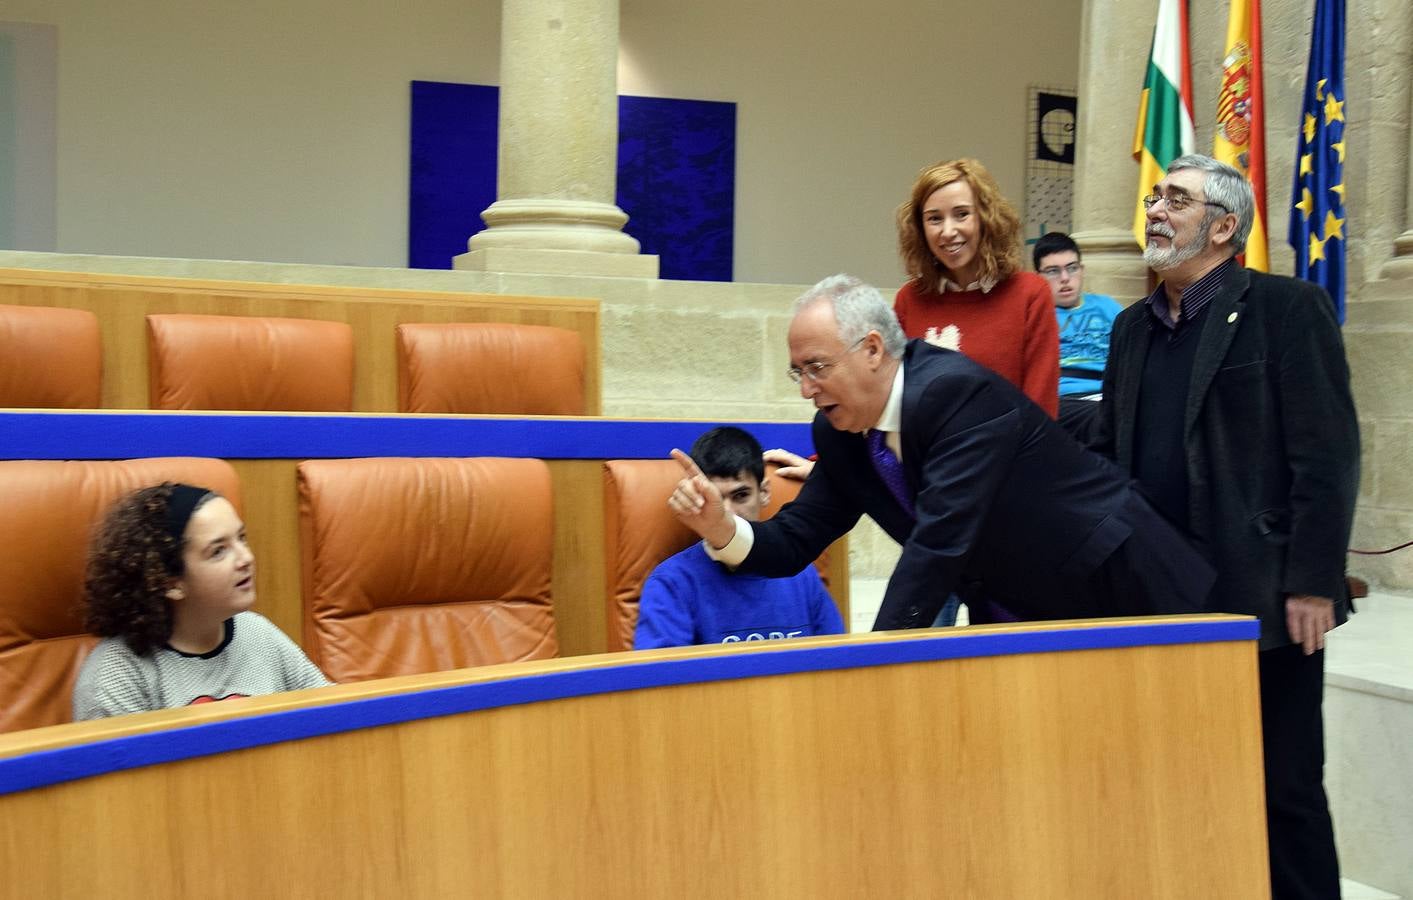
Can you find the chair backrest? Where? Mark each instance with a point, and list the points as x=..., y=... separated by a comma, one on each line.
x=249, y=363
x=49, y=512
x=425, y=565
x=490, y=369
x=640, y=531
x=50, y=358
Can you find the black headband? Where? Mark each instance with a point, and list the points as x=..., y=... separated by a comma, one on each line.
x=183, y=502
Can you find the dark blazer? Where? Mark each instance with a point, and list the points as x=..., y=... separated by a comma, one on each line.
x=1005, y=499
x=1271, y=441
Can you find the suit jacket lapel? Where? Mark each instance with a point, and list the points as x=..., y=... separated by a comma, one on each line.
x=1138, y=334
x=913, y=383
x=1224, y=316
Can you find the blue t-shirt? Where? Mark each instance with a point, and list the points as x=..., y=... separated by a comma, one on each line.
x=692, y=599
x=1084, y=341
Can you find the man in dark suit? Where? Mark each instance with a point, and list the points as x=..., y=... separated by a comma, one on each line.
x=1227, y=397
x=991, y=497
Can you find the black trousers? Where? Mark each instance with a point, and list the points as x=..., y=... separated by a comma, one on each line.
x=1301, y=835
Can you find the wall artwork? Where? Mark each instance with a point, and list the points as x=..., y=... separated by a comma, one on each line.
x=676, y=176
x=1049, y=162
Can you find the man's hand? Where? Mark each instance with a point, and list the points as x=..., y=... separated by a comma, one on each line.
x=793, y=467
x=698, y=504
x=1308, y=618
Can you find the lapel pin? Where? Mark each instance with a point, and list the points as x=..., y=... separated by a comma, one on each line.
x=1231, y=318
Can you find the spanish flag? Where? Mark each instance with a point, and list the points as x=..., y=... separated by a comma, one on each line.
x=1164, y=129
x=1241, y=117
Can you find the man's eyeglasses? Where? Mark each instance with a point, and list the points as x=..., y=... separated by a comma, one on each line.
x=1070, y=269
x=1179, y=202
x=818, y=371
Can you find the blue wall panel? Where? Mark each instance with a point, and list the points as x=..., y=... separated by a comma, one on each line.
x=676, y=176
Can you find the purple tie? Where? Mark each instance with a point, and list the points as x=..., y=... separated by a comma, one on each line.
x=890, y=470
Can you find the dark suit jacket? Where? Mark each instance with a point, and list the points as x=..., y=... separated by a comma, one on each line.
x=1271, y=441
x=1004, y=498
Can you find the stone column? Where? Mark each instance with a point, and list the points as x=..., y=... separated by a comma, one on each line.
x=1401, y=266
x=558, y=147
x=1113, y=53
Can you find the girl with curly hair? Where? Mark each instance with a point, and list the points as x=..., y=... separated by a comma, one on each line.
x=169, y=587
x=960, y=243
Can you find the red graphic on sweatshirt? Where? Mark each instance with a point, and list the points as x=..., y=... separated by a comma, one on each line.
x=207, y=698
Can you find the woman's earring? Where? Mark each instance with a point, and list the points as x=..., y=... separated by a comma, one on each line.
x=174, y=593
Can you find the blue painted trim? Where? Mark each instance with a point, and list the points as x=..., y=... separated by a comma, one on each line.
x=61, y=435
x=117, y=754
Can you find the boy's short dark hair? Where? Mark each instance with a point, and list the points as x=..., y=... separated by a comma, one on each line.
x=727, y=451
x=1054, y=242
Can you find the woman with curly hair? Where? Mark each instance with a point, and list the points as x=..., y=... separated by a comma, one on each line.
x=169, y=587
x=960, y=243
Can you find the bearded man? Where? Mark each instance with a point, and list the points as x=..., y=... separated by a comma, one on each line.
x=1227, y=398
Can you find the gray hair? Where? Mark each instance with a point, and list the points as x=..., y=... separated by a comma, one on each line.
x=1227, y=186
x=859, y=308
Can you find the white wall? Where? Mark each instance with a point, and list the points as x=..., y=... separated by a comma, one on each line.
x=278, y=131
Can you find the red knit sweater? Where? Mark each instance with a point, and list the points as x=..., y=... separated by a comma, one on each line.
x=1010, y=330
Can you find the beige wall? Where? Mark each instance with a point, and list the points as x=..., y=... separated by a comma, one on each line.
x=841, y=103
x=278, y=131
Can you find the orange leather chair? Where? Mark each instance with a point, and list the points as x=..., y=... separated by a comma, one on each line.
x=425, y=565
x=640, y=531
x=50, y=358
x=249, y=363
x=46, y=520
x=490, y=369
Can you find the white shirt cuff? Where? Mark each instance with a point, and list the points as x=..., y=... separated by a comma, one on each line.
x=736, y=549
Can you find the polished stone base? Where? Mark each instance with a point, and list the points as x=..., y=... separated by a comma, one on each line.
x=558, y=262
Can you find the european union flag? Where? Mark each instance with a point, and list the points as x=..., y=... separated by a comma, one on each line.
x=1317, y=221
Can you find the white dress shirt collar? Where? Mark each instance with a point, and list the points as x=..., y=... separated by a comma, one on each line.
x=891, y=421
x=984, y=284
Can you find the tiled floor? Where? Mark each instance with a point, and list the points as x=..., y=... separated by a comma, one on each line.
x=1353, y=890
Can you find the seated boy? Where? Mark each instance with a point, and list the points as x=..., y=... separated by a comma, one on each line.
x=691, y=599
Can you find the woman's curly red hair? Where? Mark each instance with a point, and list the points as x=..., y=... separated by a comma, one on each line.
x=998, y=250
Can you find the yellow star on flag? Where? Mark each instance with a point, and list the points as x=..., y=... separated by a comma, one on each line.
x=1320, y=89
x=1317, y=248
x=1334, y=109
x=1334, y=226
x=1307, y=202
x=1309, y=128
x=1305, y=163
x=1339, y=148
x=1339, y=189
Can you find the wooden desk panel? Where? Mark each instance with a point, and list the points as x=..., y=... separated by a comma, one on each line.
x=1114, y=758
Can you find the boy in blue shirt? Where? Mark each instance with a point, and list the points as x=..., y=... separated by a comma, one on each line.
x=1085, y=321
x=691, y=599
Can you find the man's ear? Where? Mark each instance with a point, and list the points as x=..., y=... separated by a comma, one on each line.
x=765, y=490
x=1224, y=230
x=873, y=346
